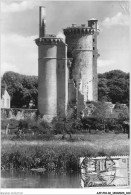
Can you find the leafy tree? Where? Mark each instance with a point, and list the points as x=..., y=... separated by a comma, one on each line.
x=114, y=86
x=121, y=112
x=21, y=88
x=103, y=90
x=66, y=124
x=102, y=112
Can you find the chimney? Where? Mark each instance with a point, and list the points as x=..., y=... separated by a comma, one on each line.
x=42, y=21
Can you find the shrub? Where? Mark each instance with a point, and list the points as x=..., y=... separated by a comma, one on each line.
x=44, y=127
x=77, y=125
x=33, y=126
x=91, y=123
x=4, y=123
x=58, y=127
x=24, y=125
x=13, y=123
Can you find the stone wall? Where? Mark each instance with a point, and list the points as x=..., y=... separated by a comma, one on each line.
x=18, y=113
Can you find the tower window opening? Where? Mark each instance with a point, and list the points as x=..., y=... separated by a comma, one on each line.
x=93, y=40
x=93, y=48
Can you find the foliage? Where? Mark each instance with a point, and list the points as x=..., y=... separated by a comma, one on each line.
x=104, y=117
x=44, y=127
x=99, y=115
x=64, y=156
x=121, y=112
x=114, y=86
x=21, y=88
x=13, y=124
x=27, y=126
x=4, y=123
x=101, y=110
x=91, y=123
x=58, y=126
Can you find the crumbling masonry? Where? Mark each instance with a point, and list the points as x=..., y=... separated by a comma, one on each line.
x=67, y=71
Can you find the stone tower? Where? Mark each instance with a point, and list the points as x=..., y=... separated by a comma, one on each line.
x=52, y=71
x=82, y=50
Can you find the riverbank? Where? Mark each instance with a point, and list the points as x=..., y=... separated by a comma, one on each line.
x=58, y=154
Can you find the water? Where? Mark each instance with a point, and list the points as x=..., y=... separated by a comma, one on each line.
x=22, y=179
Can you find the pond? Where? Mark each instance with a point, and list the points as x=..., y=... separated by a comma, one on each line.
x=22, y=179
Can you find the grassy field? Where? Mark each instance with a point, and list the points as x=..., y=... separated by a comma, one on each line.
x=61, y=154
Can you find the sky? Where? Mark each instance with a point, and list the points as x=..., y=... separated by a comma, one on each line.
x=20, y=27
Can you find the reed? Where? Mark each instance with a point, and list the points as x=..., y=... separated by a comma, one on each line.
x=59, y=155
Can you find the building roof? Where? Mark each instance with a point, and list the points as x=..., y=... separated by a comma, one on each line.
x=4, y=92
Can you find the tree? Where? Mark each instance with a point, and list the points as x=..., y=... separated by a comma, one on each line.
x=103, y=90
x=21, y=88
x=121, y=112
x=65, y=124
x=102, y=112
x=114, y=86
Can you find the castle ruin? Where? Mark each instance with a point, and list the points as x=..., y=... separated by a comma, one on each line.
x=67, y=71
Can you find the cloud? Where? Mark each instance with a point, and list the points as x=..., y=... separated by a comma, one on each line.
x=8, y=67
x=119, y=19
x=19, y=53
x=61, y=35
x=104, y=63
x=17, y=7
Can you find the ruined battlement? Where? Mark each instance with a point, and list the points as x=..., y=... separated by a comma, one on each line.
x=80, y=30
x=48, y=41
x=87, y=29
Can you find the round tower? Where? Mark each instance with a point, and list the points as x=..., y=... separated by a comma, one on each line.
x=82, y=47
x=47, y=76
x=52, y=71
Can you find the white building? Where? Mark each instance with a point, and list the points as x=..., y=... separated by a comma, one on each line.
x=5, y=100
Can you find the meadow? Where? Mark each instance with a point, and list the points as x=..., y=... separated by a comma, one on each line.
x=58, y=154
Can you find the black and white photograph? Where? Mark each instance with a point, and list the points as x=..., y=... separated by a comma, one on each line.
x=65, y=97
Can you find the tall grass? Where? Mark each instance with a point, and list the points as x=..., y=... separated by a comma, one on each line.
x=59, y=155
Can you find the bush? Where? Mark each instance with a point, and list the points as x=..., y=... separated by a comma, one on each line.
x=113, y=124
x=44, y=127
x=13, y=124
x=77, y=125
x=58, y=127
x=4, y=123
x=33, y=126
x=91, y=123
x=64, y=126
x=29, y=125
x=24, y=125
